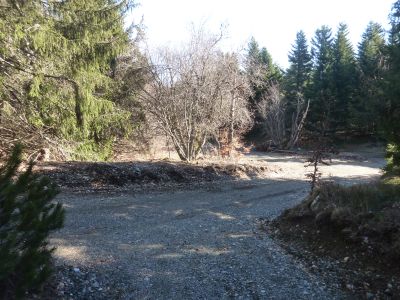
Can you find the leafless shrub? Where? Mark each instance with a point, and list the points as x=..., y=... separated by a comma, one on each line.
x=272, y=109
x=195, y=91
x=298, y=120
x=15, y=128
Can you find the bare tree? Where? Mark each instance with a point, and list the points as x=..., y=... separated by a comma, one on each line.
x=190, y=93
x=239, y=88
x=273, y=111
x=298, y=120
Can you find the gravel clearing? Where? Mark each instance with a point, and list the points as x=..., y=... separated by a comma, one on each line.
x=190, y=244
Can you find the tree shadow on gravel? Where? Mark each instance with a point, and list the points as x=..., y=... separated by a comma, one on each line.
x=183, y=243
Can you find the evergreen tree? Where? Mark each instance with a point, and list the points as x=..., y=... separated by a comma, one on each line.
x=322, y=96
x=344, y=78
x=27, y=216
x=298, y=75
x=370, y=60
x=262, y=72
x=391, y=111
x=64, y=53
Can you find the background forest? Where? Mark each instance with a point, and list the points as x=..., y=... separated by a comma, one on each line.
x=73, y=80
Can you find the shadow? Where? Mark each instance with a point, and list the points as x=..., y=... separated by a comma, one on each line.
x=192, y=244
x=185, y=244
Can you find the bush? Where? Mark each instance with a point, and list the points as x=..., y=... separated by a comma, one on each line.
x=27, y=215
x=393, y=159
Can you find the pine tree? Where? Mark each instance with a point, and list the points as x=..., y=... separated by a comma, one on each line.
x=391, y=111
x=64, y=53
x=27, y=215
x=371, y=57
x=261, y=72
x=344, y=78
x=322, y=96
x=298, y=75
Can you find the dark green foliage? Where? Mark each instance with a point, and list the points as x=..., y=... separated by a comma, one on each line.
x=55, y=67
x=298, y=76
x=344, y=79
x=261, y=72
x=27, y=215
x=366, y=106
x=391, y=110
x=322, y=89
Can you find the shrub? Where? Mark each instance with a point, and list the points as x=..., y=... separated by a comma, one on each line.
x=27, y=215
x=393, y=159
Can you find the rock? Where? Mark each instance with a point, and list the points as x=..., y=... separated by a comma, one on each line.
x=314, y=204
x=60, y=286
x=388, y=292
x=349, y=286
x=346, y=259
x=323, y=218
x=369, y=296
x=136, y=171
x=76, y=270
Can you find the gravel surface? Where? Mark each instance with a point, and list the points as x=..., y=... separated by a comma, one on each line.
x=187, y=244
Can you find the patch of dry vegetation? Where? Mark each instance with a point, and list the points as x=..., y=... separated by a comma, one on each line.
x=355, y=227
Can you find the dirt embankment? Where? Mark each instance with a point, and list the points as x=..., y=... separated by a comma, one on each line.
x=94, y=176
x=352, y=232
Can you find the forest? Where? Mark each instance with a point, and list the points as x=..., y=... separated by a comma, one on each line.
x=78, y=84
x=74, y=80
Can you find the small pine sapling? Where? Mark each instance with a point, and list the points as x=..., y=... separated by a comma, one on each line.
x=319, y=156
x=27, y=215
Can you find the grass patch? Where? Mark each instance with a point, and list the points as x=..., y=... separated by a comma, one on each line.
x=362, y=198
x=355, y=212
x=392, y=180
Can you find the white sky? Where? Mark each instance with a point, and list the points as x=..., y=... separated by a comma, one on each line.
x=273, y=23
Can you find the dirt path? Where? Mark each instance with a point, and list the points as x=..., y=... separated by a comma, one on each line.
x=191, y=244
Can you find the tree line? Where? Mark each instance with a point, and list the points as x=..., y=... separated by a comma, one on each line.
x=343, y=86
x=72, y=78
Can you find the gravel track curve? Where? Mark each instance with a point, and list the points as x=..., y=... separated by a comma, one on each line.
x=186, y=244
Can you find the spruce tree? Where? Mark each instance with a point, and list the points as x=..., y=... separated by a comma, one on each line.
x=298, y=75
x=371, y=58
x=60, y=53
x=344, y=78
x=322, y=89
x=391, y=111
x=27, y=216
x=261, y=72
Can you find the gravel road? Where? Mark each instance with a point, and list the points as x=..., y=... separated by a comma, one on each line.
x=187, y=244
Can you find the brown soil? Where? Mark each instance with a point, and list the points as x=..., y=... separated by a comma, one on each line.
x=360, y=266
x=96, y=176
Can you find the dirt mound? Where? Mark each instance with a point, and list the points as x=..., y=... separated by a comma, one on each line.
x=356, y=227
x=102, y=175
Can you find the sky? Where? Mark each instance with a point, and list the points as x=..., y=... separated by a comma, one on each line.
x=273, y=23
